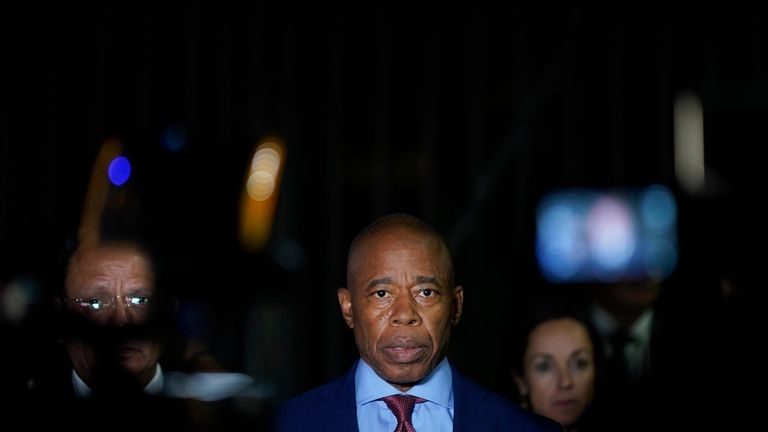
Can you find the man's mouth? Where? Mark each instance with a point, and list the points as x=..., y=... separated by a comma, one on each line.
x=404, y=354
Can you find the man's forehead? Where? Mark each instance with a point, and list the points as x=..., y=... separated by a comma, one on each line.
x=122, y=261
x=117, y=252
x=388, y=252
x=398, y=235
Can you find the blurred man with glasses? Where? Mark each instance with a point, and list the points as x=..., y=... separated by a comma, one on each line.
x=115, y=336
x=115, y=327
x=112, y=326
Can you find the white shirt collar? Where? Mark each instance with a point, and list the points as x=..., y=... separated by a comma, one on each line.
x=640, y=331
x=155, y=385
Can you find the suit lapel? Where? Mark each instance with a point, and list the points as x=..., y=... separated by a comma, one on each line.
x=340, y=404
x=470, y=412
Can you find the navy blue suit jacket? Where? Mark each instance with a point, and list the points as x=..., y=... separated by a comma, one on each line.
x=332, y=407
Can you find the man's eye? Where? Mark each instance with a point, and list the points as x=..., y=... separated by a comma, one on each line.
x=380, y=293
x=427, y=292
x=93, y=304
x=138, y=300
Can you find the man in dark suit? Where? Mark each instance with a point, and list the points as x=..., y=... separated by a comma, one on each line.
x=401, y=303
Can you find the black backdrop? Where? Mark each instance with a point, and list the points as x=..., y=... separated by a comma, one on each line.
x=463, y=114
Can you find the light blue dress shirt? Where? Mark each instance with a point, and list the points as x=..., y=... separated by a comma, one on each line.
x=436, y=414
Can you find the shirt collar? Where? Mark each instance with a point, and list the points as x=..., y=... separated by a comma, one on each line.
x=437, y=387
x=640, y=330
x=155, y=385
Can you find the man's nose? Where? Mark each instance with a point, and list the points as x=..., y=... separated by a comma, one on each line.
x=404, y=311
x=120, y=312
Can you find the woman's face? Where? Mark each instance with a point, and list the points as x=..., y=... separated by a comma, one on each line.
x=559, y=370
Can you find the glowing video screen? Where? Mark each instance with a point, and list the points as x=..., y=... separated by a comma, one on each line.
x=605, y=235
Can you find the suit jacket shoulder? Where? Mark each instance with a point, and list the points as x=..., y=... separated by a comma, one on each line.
x=329, y=407
x=478, y=409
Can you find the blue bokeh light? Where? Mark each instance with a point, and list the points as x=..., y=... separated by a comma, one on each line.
x=119, y=170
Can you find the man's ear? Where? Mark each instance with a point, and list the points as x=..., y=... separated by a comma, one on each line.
x=458, y=304
x=345, y=302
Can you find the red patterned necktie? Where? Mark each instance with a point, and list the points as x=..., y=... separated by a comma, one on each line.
x=402, y=406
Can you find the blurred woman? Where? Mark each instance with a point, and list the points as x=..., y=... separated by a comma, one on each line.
x=554, y=369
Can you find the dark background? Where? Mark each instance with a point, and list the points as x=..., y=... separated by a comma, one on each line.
x=463, y=114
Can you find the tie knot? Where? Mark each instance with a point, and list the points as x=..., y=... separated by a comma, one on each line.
x=619, y=340
x=402, y=406
x=620, y=336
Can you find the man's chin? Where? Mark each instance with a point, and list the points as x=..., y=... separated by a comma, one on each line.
x=406, y=374
x=134, y=362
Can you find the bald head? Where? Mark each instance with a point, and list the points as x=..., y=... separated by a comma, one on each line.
x=401, y=224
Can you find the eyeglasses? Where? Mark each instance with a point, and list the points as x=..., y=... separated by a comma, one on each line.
x=99, y=304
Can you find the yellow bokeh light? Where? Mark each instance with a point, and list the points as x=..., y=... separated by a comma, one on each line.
x=259, y=197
